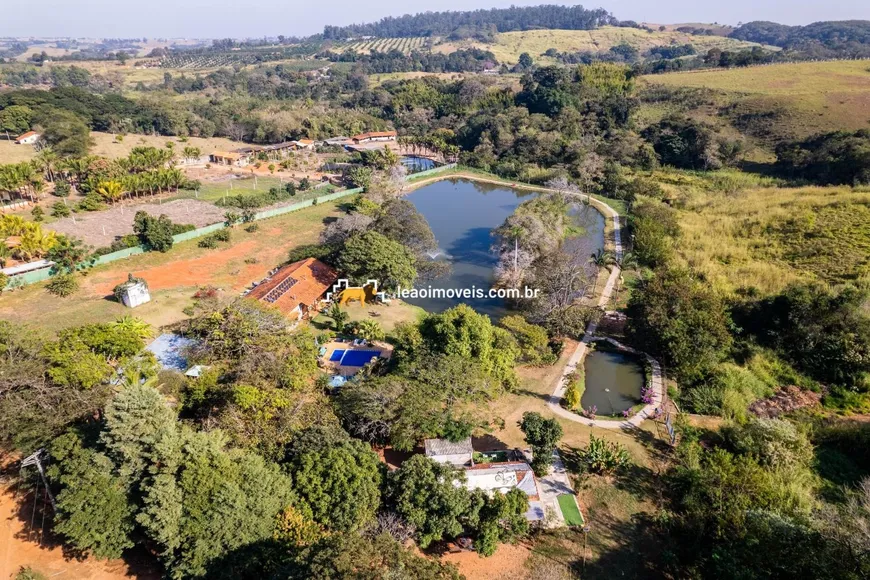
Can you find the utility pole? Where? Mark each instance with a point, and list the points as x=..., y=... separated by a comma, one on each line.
x=35, y=460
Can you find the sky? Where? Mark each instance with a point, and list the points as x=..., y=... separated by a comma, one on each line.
x=257, y=18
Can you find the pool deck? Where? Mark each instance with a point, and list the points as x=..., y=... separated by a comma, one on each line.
x=348, y=371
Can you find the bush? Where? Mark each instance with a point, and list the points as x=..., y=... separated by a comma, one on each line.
x=60, y=209
x=38, y=214
x=63, y=285
x=575, y=390
x=91, y=202
x=211, y=240
x=29, y=573
x=603, y=457
x=62, y=189
x=251, y=228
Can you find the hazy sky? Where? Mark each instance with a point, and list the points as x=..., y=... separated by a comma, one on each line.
x=253, y=18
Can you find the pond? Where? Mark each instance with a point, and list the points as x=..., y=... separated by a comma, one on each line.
x=416, y=164
x=462, y=214
x=613, y=382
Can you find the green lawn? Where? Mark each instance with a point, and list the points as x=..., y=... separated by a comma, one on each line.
x=569, y=508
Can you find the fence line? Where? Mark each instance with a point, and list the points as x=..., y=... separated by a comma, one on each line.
x=20, y=280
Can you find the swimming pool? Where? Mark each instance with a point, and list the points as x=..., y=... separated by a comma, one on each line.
x=353, y=358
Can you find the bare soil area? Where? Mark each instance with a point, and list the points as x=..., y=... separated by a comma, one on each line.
x=101, y=228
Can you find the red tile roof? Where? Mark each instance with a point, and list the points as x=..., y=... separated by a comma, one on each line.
x=26, y=135
x=302, y=282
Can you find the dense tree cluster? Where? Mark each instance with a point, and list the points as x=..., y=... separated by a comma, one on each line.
x=496, y=19
x=849, y=38
x=833, y=158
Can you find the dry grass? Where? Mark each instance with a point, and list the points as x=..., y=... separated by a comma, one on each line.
x=106, y=145
x=172, y=276
x=12, y=153
x=807, y=97
x=509, y=45
x=765, y=238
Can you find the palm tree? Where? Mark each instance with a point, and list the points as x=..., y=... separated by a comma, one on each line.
x=602, y=259
x=110, y=190
x=628, y=261
x=47, y=161
x=136, y=325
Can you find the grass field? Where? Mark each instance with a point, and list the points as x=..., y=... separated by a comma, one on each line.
x=509, y=45
x=105, y=145
x=763, y=238
x=173, y=276
x=786, y=100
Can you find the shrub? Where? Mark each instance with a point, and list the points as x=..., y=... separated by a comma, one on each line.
x=4, y=281
x=62, y=189
x=575, y=390
x=91, y=202
x=60, y=209
x=603, y=457
x=38, y=213
x=63, y=285
x=251, y=228
x=29, y=573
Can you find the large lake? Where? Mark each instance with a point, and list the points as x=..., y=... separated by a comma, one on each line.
x=462, y=215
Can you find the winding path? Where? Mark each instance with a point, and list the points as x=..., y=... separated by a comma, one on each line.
x=554, y=403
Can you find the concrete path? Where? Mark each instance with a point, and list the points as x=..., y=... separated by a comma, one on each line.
x=554, y=402
x=551, y=486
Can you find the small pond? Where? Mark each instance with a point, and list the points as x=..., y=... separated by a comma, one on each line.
x=416, y=164
x=613, y=382
x=462, y=214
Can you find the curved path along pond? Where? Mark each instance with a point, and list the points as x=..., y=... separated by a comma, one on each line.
x=577, y=358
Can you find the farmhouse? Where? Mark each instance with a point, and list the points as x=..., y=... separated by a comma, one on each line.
x=500, y=475
x=296, y=289
x=228, y=158
x=340, y=140
x=28, y=138
x=304, y=143
x=374, y=136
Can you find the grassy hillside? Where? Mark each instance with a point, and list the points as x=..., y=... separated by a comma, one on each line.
x=743, y=232
x=106, y=146
x=782, y=101
x=509, y=45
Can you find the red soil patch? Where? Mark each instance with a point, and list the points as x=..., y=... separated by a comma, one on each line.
x=197, y=271
x=17, y=550
x=508, y=563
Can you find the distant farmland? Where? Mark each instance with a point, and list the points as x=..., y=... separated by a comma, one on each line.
x=405, y=45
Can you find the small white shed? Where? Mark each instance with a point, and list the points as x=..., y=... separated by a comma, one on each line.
x=132, y=293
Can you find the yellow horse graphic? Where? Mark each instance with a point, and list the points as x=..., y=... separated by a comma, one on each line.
x=361, y=293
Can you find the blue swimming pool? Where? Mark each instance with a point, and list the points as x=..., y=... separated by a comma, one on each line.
x=353, y=358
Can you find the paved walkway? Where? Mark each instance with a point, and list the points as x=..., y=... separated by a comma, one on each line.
x=554, y=402
x=551, y=486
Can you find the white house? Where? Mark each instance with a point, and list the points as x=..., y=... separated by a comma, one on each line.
x=443, y=451
x=28, y=138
